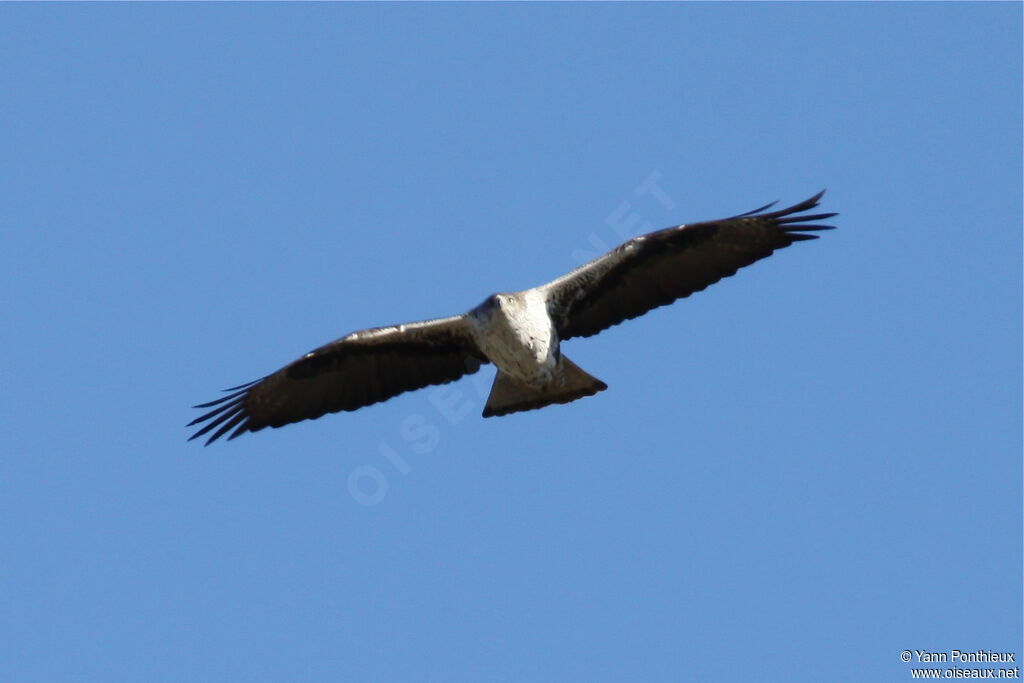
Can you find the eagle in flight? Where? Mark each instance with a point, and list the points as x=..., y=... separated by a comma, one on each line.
x=520, y=332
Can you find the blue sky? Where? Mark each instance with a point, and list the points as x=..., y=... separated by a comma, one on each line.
x=795, y=475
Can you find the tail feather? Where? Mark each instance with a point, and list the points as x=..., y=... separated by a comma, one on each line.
x=509, y=395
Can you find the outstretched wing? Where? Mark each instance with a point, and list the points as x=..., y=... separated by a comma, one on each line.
x=656, y=269
x=355, y=371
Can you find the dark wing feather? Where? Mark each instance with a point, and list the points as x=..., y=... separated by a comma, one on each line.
x=656, y=269
x=355, y=371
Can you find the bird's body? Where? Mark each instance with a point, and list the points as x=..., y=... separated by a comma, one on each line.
x=515, y=332
x=519, y=332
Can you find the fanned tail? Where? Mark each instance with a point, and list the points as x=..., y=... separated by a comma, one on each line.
x=510, y=395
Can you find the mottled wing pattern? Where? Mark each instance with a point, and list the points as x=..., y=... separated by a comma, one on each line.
x=355, y=371
x=656, y=269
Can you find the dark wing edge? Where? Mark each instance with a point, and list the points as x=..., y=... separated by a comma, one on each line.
x=358, y=370
x=658, y=268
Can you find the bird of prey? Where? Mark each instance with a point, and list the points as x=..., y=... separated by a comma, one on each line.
x=520, y=332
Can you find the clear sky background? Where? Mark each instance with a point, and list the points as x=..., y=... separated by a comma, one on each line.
x=794, y=475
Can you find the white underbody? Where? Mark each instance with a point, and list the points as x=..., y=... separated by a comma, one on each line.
x=517, y=335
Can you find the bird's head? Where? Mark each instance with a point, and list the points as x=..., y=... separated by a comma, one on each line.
x=494, y=303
